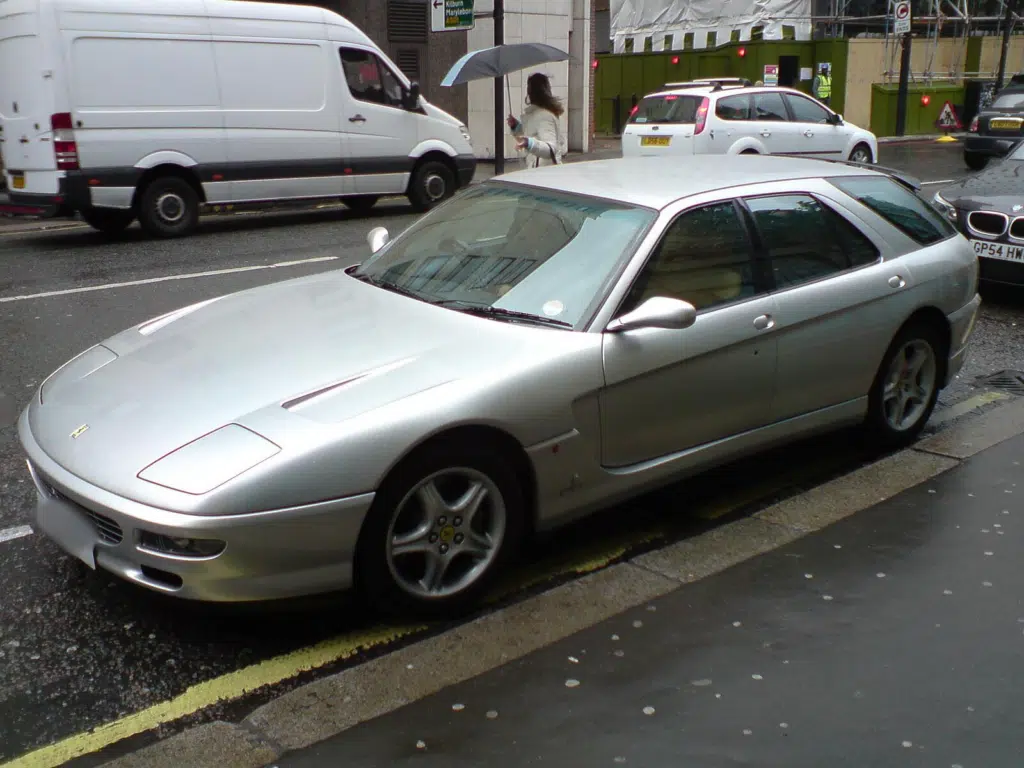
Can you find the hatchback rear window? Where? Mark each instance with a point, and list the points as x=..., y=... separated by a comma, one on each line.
x=667, y=109
x=897, y=205
x=1009, y=101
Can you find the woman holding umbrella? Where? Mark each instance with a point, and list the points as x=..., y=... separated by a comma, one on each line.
x=538, y=132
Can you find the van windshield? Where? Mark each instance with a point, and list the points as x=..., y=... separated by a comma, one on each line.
x=672, y=108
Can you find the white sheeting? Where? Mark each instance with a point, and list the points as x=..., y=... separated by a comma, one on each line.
x=639, y=19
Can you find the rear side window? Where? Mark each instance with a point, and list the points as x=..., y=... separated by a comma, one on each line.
x=897, y=205
x=770, y=107
x=733, y=108
x=667, y=109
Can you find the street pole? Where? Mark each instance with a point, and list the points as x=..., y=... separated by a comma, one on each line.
x=499, y=93
x=1011, y=7
x=901, y=96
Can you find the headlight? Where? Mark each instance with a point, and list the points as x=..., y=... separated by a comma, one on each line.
x=943, y=206
x=465, y=133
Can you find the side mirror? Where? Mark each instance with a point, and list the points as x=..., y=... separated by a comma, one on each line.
x=377, y=238
x=656, y=312
x=412, y=97
x=837, y=119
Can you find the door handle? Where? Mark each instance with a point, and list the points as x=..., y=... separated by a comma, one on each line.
x=764, y=322
x=809, y=134
x=357, y=119
x=897, y=282
x=766, y=134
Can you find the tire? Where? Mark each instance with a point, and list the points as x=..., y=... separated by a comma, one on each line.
x=861, y=151
x=107, y=221
x=393, y=583
x=882, y=432
x=168, y=207
x=976, y=162
x=360, y=203
x=750, y=152
x=431, y=184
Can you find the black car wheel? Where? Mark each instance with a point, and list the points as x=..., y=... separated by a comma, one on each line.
x=975, y=161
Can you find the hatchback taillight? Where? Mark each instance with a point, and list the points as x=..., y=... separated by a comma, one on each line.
x=65, y=149
x=702, y=115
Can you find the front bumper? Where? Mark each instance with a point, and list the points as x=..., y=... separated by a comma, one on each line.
x=269, y=555
x=989, y=145
x=1000, y=272
x=465, y=168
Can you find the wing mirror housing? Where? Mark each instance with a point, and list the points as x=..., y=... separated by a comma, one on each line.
x=378, y=237
x=412, y=97
x=837, y=119
x=656, y=312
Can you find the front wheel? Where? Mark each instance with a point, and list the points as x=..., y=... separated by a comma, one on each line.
x=861, y=154
x=432, y=183
x=906, y=386
x=441, y=528
x=107, y=221
x=975, y=161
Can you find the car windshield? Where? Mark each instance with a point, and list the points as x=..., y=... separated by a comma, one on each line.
x=667, y=109
x=512, y=253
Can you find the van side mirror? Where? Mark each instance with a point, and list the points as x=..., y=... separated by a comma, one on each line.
x=412, y=97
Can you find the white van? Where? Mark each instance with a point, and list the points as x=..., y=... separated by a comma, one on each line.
x=153, y=109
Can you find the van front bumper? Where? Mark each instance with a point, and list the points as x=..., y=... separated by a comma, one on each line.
x=465, y=167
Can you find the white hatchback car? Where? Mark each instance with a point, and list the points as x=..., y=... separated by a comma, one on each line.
x=729, y=116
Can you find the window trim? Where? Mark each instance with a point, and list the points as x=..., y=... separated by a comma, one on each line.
x=761, y=286
x=764, y=256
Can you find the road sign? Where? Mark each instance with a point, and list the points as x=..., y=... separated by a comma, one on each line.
x=771, y=74
x=451, y=15
x=948, y=121
x=902, y=16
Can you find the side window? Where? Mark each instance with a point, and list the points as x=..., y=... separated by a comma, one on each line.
x=733, y=108
x=805, y=110
x=369, y=80
x=898, y=206
x=770, y=106
x=806, y=240
x=704, y=257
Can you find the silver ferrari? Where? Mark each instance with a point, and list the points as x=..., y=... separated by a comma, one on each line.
x=545, y=344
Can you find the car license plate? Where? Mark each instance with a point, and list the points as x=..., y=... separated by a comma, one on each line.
x=62, y=523
x=1000, y=251
x=655, y=141
x=1004, y=125
x=18, y=181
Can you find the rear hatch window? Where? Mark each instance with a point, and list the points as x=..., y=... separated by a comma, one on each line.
x=1013, y=102
x=667, y=110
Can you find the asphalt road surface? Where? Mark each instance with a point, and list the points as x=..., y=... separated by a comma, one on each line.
x=79, y=649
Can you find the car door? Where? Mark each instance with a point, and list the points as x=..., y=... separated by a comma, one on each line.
x=773, y=128
x=836, y=311
x=381, y=132
x=815, y=134
x=669, y=390
x=732, y=122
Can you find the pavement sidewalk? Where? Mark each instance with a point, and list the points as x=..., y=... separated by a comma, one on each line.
x=891, y=638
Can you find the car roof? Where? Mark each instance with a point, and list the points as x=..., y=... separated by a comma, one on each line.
x=725, y=89
x=656, y=182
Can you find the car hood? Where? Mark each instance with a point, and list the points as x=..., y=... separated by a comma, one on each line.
x=122, y=405
x=998, y=187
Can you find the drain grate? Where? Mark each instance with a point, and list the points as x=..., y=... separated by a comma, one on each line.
x=1007, y=381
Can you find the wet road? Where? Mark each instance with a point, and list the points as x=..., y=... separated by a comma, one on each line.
x=77, y=648
x=888, y=639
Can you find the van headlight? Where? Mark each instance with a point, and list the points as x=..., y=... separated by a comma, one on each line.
x=943, y=206
x=465, y=133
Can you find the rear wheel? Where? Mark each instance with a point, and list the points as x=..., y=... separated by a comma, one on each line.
x=861, y=154
x=168, y=207
x=975, y=161
x=442, y=526
x=108, y=221
x=906, y=386
x=360, y=203
x=432, y=183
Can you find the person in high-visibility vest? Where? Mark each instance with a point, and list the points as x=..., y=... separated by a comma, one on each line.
x=823, y=86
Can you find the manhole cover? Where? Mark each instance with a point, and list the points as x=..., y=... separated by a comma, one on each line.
x=1008, y=381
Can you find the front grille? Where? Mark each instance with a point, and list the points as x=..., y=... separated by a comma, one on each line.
x=110, y=532
x=988, y=223
x=1017, y=228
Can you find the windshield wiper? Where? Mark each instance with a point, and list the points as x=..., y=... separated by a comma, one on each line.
x=485, y=310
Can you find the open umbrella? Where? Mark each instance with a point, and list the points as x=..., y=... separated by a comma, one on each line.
x=500, y=60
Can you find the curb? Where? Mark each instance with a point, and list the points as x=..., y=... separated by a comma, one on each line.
x=936, y=138
x=330, y=705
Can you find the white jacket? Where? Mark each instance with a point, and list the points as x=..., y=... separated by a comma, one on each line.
x=541, y=125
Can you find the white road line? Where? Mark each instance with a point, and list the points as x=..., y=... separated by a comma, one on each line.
x=9, y=534
x=151, y=280
x=940, y=181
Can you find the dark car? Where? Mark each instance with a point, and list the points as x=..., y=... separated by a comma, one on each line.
x=996, y=128
x=988, y=208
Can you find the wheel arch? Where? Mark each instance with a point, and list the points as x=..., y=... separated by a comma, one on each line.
x=168, y=169
x=435, y=155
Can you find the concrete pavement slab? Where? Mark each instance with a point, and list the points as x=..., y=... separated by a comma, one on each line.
x=887, y=639
x=967, y=439
x=222, y=744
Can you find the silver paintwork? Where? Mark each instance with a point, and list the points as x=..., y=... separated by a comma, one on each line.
x=278, y=411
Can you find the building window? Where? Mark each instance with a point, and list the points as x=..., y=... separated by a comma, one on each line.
x=668, y=42
x=648, y=45
x=735, y=36
x=407, y=21
x=712, y=39
x=688, y=41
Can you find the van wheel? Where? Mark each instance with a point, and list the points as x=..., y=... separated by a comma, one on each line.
x=169, y=207
x=109, y=222
x=431, y=183
x=360, y=203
